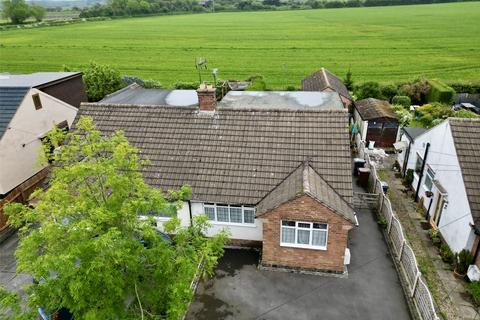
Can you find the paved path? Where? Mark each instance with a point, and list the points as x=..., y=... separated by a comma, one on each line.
x=239, y=290
x=451, y=297
x=8, y=277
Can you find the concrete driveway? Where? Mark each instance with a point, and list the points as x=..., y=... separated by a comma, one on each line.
x=240, y=290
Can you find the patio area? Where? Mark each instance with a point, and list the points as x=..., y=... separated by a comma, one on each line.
x=239, y=290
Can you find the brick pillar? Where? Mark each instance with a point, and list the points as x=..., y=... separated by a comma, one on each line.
x=207, y=99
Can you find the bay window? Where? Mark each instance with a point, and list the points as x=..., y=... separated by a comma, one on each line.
x=304, y=234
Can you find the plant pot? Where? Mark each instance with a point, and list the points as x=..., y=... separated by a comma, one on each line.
x=458, y=275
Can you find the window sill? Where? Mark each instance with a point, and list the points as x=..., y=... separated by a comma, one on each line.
x=302, y=246
x=232, y=224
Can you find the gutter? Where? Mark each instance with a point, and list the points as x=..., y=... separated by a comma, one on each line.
x=190, y=212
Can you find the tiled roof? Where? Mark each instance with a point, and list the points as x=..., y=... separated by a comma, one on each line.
x=465, y=134
x=305, y=180
x=323, y=79
x=233, y=156
x=10, y=99
x=372, y=108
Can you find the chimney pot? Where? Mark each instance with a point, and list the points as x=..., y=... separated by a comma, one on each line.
x=207, y=98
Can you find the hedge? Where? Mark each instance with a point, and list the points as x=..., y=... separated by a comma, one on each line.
x=440, y=92
x=466, y=87
x=402, y=100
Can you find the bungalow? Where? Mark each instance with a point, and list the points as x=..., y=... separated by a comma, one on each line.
x=27, y=114
x=446, y=180
x=271, y=167
x=377, y=122
x=324, y=80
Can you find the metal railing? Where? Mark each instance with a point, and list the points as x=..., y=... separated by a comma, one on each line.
x=402, y=252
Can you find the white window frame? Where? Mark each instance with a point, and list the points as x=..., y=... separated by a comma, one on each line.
x=243, y=208
x=304, y=246
x=431, y=175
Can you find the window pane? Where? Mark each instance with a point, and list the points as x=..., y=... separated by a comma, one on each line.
x=320, y=226
x=210, y=212
x=288, y=223
x=304, y=225
x=222, y=214
x=236, y=215
x=249, y=216
x=319, y=238
x=288, y=235
x=303, y=236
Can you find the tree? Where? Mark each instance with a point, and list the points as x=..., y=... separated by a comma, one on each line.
x=15, y=10
x=348, y=81
x=38, y=12
x=87, y=245
x=368, y=90
x=100, y=80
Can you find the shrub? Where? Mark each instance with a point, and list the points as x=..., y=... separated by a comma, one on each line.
x=435, y=111
x=257, y=83
x=435, y=237
x=474, y=290
x=462, y=113
x=462, y=261
x=388, y=91
x=408, y=179
x=348, y=81
x=186, y=85
x=465, y=87
x=416, y=90
x=100, y=80
x=404, y=115
x=290, y=88
x=152, y=84
x=440, y=92
x=446, y=254
x=402, y=100
x=334, y=4
x=369, y=89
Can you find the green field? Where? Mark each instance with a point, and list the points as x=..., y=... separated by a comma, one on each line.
x=377, y=43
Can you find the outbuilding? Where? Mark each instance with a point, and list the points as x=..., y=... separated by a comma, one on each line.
x=377, y=122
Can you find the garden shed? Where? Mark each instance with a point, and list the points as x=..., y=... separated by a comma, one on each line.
x=376, y=121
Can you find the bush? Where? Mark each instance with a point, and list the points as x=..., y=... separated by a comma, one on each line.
x=429, y=113
x=334, y=4
x=186, y=85
x=404, y=115
x=416, y=90
x=446, y=254
x=465, y=87
x=402, y=100
x=474, y=290
x=388, y=91
x=462, y=113
x=462, y=261
x=290, y=88
x=440, y=92
x=408, y=179
x=100, y=80
x=435, y=237
x=257, y=83
x=369, y=89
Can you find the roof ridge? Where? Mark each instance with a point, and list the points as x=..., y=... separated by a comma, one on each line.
x=326, y=78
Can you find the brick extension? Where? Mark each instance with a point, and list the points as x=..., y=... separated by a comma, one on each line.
x=304, y=208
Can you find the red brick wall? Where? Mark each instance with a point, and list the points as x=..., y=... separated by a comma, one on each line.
x=305, y=208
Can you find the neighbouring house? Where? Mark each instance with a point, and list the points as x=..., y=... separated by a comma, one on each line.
x=274, y=168
x=404, y=145
x=447, y=180
x=65, y=86
x=324, y=80
x=27, y=114
x=377, y=122
x=135, y=94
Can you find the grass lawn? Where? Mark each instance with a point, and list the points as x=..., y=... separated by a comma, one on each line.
x=377, y=43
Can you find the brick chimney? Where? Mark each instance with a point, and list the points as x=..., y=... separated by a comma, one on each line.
x=207, y=98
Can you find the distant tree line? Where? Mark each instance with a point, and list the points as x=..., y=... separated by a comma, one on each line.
x=17, y=11
x=146, y=7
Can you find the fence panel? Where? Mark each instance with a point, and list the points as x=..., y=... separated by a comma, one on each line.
x=409, y=264
x=421, y=295
x=424, y=302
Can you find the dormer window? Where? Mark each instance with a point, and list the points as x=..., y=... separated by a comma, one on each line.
x=36, y=101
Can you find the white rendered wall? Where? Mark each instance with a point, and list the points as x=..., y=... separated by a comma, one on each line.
x=456, y=216
x=20, y=144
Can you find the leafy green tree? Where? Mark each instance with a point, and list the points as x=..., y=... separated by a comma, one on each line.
x=15, y=10
x=38, y=12
x=90, y=244
x=369, y=89
x=100, y=80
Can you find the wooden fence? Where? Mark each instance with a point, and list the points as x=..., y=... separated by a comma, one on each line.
x=402, y=252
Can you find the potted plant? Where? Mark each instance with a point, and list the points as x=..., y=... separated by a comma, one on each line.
x=462, y=261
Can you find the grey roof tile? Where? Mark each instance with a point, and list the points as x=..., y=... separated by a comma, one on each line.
x=10, y=100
